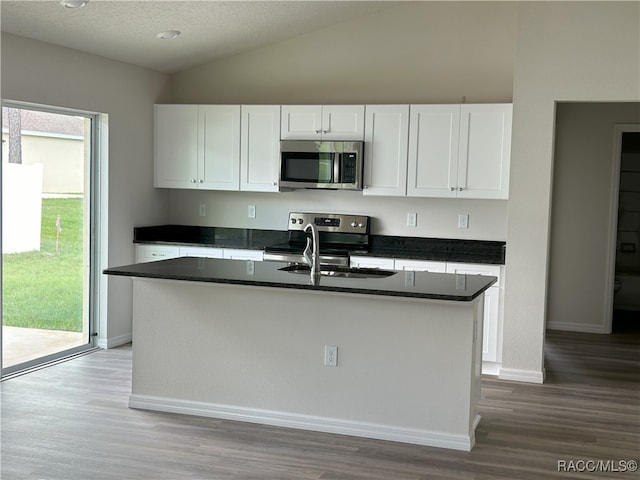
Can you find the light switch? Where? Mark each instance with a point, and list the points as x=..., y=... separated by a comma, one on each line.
x=412, y=219
x=463, y=220
x=251, y=211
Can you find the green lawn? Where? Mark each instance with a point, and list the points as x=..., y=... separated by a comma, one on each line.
x=42, y=289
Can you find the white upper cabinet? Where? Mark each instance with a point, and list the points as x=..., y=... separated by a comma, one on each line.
x=219, y=130
x=385, y=151
x=197, y=146
x=175, y=146
x=260, y=148
x=322, y=122
x=485, y=151
x=434, y=131
x=460, y=151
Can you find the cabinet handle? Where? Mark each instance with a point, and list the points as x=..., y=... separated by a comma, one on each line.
x=324, y=132
x=452, y=188
x=202, y=181
x=317, y=132
x=193, y=180
x=459, y=189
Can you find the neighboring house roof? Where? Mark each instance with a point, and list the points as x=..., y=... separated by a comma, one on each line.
x=44, y=122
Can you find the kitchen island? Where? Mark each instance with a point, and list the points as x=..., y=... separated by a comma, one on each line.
x=246, y=341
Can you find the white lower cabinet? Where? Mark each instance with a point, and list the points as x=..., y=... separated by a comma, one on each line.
x=491, y=305
x=492, y=311
x=152, y=253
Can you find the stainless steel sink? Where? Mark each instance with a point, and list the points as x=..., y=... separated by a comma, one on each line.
x=344, y=272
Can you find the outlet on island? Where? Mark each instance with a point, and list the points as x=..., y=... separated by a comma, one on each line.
x=251, y=211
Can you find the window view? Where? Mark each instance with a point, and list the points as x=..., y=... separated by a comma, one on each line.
x=45, y=235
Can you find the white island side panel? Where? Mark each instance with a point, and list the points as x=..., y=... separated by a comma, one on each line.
x=407, y=366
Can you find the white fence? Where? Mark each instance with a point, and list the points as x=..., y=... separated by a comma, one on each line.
x=21, y=207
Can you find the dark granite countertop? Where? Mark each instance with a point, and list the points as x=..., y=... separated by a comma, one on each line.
x=415, y=248
x=438, y=249
x=436, y=286
x=222, y=237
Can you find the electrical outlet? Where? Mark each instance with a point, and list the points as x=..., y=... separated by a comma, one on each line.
x=330, y=356
x=251, y=211
x=202, y=211
x=463, y=220
x=412, y=219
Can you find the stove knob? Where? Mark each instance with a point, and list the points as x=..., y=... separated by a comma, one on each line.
x=354, y=224
x=361, y=225
x=300, y=221
x=293, y=221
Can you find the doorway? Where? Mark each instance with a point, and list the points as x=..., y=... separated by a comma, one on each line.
x=48, y=160
x=626, y=299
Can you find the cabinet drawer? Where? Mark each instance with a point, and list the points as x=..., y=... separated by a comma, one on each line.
x=421, y=266
x=152, y=253
x=372, y=262
x=208, y=252
x=241, y=254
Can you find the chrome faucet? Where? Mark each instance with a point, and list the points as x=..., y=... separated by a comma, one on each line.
x=312, y=250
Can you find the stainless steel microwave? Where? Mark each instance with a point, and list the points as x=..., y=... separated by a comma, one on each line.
x=320, y=164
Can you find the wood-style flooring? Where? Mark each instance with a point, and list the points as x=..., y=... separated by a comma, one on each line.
x=71, y=422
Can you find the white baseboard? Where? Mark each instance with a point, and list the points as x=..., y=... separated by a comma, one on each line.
x=307, y=422
x=529, y=376
x=114, y=341
x=576, y=327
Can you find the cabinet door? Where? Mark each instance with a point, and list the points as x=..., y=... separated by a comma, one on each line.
x=260, y=148
x=421, y=266
x=175, y=146
x=219, y=132
x=343, y=122
x=491, y=318
x=301, y=122
x=485, y=151
x=433, y=151
x=385, y=152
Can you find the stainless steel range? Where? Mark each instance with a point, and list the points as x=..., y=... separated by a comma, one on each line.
x=339, y=236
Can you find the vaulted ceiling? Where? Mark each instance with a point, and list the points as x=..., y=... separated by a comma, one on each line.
x=126, y=30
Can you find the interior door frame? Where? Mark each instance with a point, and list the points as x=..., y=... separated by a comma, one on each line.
x=97, y=233
x=618, y=131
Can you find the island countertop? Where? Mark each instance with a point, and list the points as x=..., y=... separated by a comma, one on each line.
x=424, y=285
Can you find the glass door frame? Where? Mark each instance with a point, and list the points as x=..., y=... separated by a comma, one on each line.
x=97, y=184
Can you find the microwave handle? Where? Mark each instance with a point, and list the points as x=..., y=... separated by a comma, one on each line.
x=337, y=167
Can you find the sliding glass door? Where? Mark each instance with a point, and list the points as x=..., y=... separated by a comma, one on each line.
x=47, y=205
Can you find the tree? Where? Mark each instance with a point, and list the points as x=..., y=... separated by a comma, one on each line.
x=15, y=135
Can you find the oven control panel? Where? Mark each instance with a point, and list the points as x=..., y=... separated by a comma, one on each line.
x=330, y=222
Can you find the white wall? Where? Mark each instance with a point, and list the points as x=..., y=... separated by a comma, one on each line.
x=581, y=213
x=416, y=52
x=45, y=74
x=436, y=217
x=566, y=51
